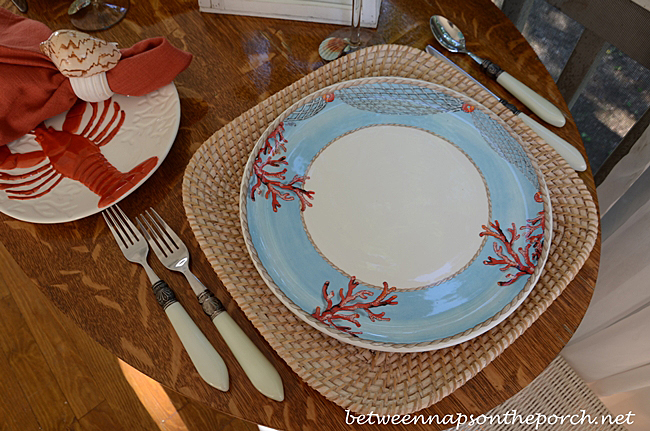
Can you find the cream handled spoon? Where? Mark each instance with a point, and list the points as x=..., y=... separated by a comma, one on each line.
x=452, y=39
x=564, y=149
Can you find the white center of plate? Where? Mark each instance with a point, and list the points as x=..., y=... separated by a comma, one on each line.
x=396, y=204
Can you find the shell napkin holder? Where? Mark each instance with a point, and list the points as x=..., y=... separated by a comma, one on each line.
x=84, y=60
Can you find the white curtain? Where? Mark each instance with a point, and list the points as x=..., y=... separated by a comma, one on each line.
x=611, y=348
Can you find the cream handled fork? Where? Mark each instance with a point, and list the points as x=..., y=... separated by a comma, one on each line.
x=205, y=358
x=174, y=255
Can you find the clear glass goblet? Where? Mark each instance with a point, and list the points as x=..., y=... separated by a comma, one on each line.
x=94, y=15
x=349, y=39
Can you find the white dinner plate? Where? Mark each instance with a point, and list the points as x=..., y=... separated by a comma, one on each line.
x=395, y=214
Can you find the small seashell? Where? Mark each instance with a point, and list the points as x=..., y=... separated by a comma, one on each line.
x=78, y=54
x=332, y=48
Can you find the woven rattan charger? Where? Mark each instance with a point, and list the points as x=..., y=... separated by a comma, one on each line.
x=355, y=378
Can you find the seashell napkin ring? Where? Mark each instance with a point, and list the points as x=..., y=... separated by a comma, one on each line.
x=84, y=60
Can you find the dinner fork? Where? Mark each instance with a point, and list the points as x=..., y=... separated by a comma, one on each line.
x=173, y=254
x=205, y=358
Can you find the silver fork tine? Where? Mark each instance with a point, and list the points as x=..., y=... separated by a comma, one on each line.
x=153, y=242
x=161, y=232
x=122, y=230
x=131, y=227
x=116, y=234
x=170, y=233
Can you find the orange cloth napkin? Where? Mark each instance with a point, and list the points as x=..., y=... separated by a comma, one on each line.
x=32, y=89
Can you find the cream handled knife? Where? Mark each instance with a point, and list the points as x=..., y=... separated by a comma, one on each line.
x=173, y=254
x=452, y=39
x=566, y=150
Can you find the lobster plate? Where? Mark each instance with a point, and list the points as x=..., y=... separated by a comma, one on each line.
x=88, y=158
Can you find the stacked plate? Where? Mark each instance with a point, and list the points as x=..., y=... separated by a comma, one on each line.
x=395, y=214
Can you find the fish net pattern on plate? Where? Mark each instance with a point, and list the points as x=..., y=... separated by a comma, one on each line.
x=355, y=378
x=504, y=144
x=414, y=100
x=399, y=100
x=308, y=110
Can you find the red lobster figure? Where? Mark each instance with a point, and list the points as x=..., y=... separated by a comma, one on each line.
x=72, y=155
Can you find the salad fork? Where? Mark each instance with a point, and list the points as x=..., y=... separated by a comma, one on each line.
x=173, y=254
x=205, y=358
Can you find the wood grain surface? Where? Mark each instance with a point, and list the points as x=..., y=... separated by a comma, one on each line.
x=239, y=62
x=66, y=381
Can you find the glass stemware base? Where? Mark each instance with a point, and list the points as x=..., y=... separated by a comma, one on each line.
x=96, y=15
x=340, y=42
x=366, y=38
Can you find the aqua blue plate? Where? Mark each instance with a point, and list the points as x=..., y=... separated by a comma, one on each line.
x=395, y=214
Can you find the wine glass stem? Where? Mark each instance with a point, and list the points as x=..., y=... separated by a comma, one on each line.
x=355, y=37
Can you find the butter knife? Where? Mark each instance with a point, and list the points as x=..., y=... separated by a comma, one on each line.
x=571, y=154
x=21, y=5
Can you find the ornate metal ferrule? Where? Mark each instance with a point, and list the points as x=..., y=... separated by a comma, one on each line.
x=510, y=106
x=211, y=305
x=492, y=69
x=164, y=294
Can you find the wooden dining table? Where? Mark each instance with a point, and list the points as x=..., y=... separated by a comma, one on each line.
x=238, y=62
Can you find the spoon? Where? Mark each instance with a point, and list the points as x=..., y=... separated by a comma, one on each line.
x=452, y=39
x=563, y=148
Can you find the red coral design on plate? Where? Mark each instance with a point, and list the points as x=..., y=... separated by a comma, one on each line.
x=523, y=261
x=534, y=235
x=273, y=146
x=335, y=311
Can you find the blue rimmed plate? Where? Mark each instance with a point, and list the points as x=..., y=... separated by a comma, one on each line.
x=395, y=214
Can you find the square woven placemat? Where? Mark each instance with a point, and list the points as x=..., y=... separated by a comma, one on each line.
x=352, y=377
